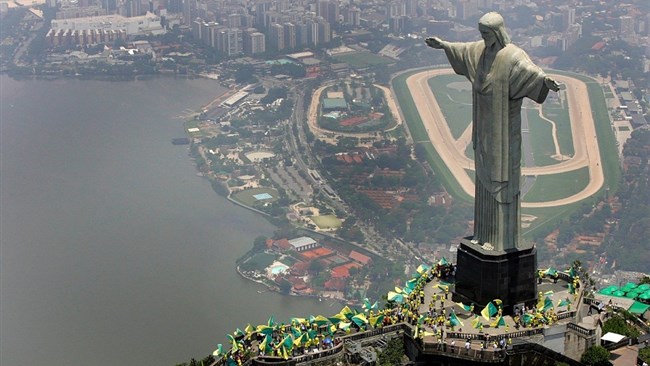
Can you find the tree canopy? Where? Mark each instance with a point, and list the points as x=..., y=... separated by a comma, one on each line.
x=596, y=356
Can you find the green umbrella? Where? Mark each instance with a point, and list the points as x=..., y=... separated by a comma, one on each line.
x=619, y=293
x=629, y=286
x=645, y=296
x=606, y=291
x=631, y=295
x=644, y=287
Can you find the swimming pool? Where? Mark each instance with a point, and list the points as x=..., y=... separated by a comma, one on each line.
x=276, y=268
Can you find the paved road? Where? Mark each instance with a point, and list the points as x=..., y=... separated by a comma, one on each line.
x=582, y=126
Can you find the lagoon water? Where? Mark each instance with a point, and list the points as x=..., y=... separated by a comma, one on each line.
x=112, y=250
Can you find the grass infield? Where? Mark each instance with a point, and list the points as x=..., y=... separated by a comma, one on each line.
x=246, y=197
x=326, y=222
x=363, y=59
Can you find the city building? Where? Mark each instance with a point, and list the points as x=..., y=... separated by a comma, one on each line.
x=254, y=42
x=100, y=29
x=303, y=243
x=276, y=37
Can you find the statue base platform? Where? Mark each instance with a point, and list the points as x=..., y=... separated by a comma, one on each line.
x=484, y=275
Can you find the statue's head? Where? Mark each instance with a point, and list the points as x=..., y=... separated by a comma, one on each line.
x=493, y=22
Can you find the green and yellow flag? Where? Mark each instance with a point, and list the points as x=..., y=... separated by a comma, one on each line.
x=234, y=346
x=238, y=333
x=265, y=346
x=265, y=329
x=453, y=319
x=396, y=297
x=337, y=318
x=463, y=306
x=249, y=328
x=499, y=322
x=442, y=286
x=488, y=311
x=376, y=320
x=219, y=351
x=301, y=339
x=548, y=304
x=564, y=302
x=347, y=312
x=476, y=322
x=319, y=320
x=572, y=272
x=360, y=319
x=550, y=271
x=287, y=342
x=422, y=268
x=344, y=325
x=367, y=306
x=527, y=318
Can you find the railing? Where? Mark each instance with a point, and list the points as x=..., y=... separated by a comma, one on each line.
x=269, y=360
x=315, y=356
x=426, y=347
x=481, y=336
x=581, y=330
x=484, y=355
x=638, y=322
x=376, y=332
x=566, y=314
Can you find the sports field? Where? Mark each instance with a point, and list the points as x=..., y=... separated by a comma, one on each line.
x=326, y=222
x=562, y=184
x=363, y=59
x=557, y=186
x=247, y=197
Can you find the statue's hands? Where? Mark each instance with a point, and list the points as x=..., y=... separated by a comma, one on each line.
x=551, y=84
x=434, y=42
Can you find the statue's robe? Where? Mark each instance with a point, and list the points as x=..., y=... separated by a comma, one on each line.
x=497, y=94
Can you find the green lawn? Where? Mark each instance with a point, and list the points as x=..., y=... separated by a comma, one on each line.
x=326, y=221
x=455, y=104
x=556, y=186
x=193, y=124
x=606, y=139
x=246, y=197
x=541, y=140
x=562, y=121
x=363, y=59
x=469, y=151
x=260, y=261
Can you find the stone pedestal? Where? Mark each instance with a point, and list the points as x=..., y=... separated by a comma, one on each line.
x=484, y=275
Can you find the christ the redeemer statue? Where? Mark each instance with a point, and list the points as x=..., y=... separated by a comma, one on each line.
x=501, y=74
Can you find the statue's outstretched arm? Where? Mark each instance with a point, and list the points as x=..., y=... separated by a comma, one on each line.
x=551, y=84
x=435, y=42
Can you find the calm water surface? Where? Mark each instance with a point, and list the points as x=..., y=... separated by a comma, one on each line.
x=112, y=250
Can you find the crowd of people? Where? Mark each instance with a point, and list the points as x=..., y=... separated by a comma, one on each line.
x=318, y=334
